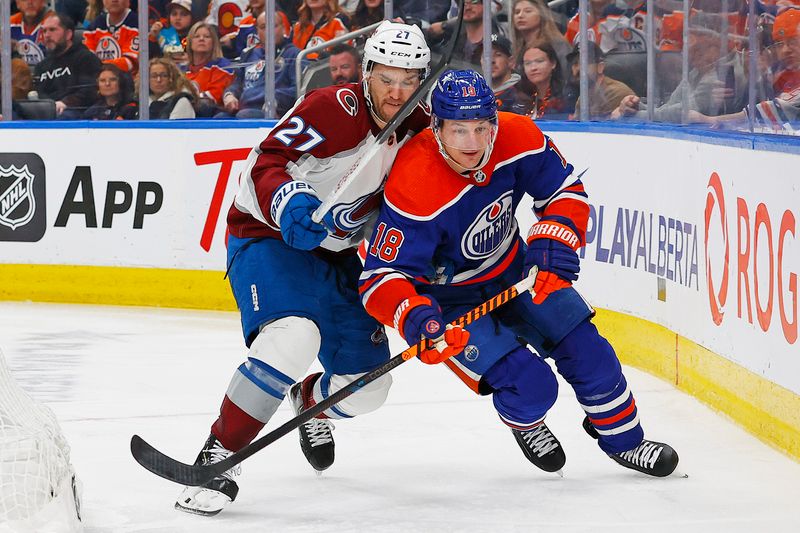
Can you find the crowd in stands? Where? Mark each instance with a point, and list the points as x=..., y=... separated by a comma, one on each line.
x=206, y=57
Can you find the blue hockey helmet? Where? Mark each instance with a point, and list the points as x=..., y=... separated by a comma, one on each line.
x=464, y=96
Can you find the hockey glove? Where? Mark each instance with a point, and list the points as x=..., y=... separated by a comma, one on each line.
x=552, y=249
x=292, y=207
x=421, y=317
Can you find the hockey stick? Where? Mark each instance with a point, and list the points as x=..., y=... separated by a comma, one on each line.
x=391, y=126
x=194, y=475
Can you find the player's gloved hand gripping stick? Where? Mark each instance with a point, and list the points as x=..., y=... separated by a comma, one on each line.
x=195, y=475
x=392, y=125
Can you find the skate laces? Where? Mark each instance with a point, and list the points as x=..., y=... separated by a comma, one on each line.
x=644, y=455
x=319, y=431
x=217, y=453
x=540, y=440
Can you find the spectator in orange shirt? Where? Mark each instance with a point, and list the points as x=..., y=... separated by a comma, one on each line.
x=318, y=21
x=596, y=8
x=114, y=35
x=209, y=71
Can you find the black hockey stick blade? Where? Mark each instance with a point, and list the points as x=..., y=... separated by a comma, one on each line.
x=169, y=468
x=195, y=475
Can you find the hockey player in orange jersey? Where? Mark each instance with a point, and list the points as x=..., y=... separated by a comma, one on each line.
x=447, y=238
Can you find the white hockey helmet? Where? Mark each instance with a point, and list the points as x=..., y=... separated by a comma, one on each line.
x=395, y=44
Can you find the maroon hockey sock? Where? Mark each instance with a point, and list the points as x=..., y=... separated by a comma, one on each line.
x=234, y=428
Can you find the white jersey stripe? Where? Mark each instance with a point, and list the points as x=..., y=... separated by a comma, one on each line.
x=621, y=429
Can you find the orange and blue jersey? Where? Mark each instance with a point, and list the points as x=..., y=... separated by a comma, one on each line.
x=115, y=44
x=312, y=35
x=212, y=78
x=442, y=227
x=29, y=40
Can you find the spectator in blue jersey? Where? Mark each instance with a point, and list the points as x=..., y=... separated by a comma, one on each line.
x=244, y=98
x=68, y=72
x=244, y=36
x=115, y=91
x=25, y=29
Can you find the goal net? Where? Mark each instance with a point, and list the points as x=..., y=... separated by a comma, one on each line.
x=38, y=488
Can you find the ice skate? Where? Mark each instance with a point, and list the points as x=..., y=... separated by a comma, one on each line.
x=541, y=448
x=649, y=457
x=316, y=435
x=211, y=498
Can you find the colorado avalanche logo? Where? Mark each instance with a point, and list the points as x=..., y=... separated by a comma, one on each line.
x=228, y=16
x=350, y=217
x=108, y=48
x=490, y=229
x=348, y=100
x=17, y=202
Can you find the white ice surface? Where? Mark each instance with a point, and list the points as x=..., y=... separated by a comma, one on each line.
x=434, y=458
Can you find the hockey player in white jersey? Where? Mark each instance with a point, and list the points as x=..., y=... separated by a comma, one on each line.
x=294, y=280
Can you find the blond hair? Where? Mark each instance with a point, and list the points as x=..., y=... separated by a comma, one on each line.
x=178, y=82
x=216, y=48
x=304, y=12
x=548, y=31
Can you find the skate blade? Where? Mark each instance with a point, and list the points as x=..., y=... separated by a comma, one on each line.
x=560, y=473
x=199, y=512
x=318, y=473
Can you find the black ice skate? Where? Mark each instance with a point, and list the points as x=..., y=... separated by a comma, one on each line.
x=541, y=448
x=316, y=435
x=650, y=457
x=211, y=498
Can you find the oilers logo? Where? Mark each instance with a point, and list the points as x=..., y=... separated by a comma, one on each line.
x=108, y=48
x=253, y=73
x=29, y=51
x=490, y=229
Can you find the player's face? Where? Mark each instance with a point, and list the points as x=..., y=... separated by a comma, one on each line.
x=180, y=18
x=466, y=140
x=54, y=36
x=159, y=80
x=108, y=84
x=538, y=67
x=390, y=88
x=202, y=41
x=526, y=16
x=343, y=69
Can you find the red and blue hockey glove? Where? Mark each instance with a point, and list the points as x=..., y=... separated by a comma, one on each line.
x=420, y=317
x=552, y=249
x=292, y=207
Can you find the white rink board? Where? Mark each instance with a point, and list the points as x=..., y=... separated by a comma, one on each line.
x=665, y=182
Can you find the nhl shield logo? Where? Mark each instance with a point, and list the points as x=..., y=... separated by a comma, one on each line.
x=17, y=201
x=23, y=199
